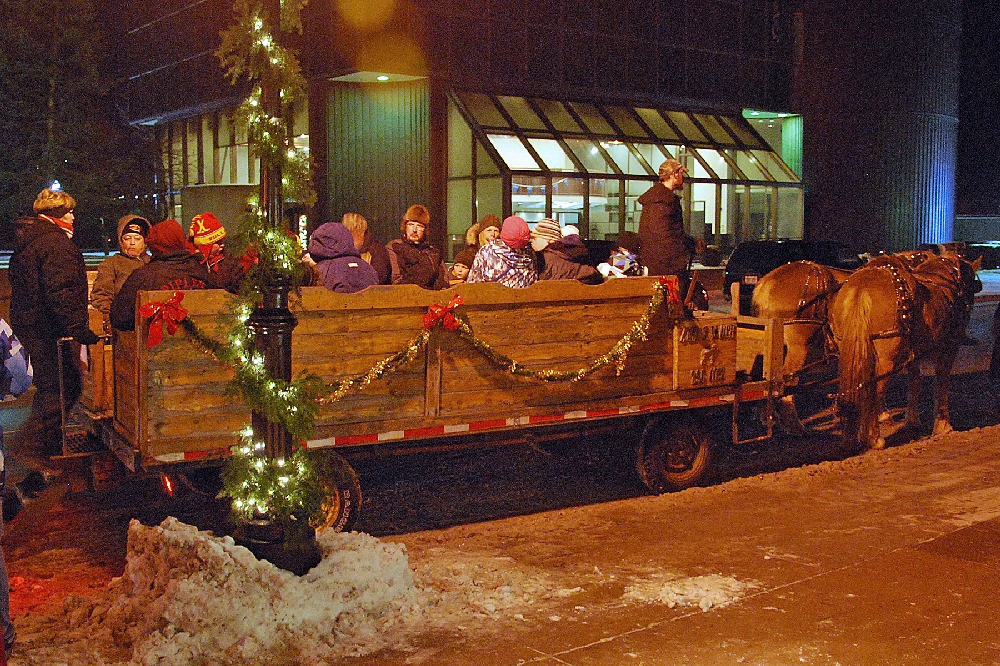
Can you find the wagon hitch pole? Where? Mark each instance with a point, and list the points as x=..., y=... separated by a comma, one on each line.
x=272, y=324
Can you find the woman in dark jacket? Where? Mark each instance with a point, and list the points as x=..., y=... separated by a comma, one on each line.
x=338, y=262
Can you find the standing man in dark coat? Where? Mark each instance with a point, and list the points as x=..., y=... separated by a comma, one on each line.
x=661, y=223
x=176, y=265
x=49, y=301
x=413, y=259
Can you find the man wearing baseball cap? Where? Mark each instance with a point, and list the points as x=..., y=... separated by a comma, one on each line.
x=661, y=223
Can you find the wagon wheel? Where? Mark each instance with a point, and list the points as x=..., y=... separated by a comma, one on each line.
x=674, y=454
x=341, y=506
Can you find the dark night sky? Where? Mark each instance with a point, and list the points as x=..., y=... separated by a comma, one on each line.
x=978, y=177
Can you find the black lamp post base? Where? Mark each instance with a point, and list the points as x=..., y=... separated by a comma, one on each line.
x=294, y=550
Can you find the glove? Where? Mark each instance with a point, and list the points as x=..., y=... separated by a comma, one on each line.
x=87, y=337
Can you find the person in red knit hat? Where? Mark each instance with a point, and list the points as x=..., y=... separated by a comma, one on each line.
x=209, y=237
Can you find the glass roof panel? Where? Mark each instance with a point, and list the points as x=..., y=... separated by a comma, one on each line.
x=651, y=154
x=688, y=129
x=483, y=110
x=624, y=158
x=626, y=122
x=715, y=162
x=592, y=118
x=749, y=165
x=716, y=131
x=587, y=152
x=778, y=170
x=656, y=123
x=513, y=152
x=523, y=115
x=558, y=116
x=742, y=130
x=552, y=154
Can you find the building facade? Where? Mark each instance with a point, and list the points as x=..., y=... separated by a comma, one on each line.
x=556, y=108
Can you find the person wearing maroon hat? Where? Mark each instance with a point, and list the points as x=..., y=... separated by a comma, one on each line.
x=176, y=265
x=507, y=260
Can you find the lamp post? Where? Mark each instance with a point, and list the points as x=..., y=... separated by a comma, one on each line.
x=272, y=323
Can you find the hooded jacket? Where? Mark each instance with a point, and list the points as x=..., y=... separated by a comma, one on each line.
x=112, y=272
x=555, y=262
x=661, y=232
x=172, y=267
x=338, y=262
x=48, y=284
x=499, y=263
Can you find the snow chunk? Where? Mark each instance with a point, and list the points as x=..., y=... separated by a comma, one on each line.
x=705, y=592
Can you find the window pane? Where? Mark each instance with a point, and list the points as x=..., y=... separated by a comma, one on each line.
x=790, y=206
x=459, y=144
x=483, y=110
x=489, y=197
x=624, y=158
x=587, y=152
x=747, y=163
x=717, y=132
x=552, y=154
x=513, y=152
x=742, y=131
x=459, y=209
x=778, y=171
x=715, y=162
x=528, y=197
x=651, y=154
x=656, y=123
x=592, y=118
x=687, y=128
x=484, y=161
x=626, y=122
x=567, y=200
x=522, y=114
x=605, y=214
x=558, y=116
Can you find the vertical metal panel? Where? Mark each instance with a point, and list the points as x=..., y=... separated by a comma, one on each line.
x=379, y=152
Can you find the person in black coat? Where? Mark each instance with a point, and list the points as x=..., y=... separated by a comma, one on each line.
x=48, y=302
x=413, y=259
x=175, y=265
x=661, y=223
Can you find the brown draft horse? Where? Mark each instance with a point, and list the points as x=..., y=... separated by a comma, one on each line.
x=889, y=316
x=799, y=293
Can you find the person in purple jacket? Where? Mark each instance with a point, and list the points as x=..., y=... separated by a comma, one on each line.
x=338, y=262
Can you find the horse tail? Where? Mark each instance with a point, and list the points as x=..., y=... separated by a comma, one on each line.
x=857, y=363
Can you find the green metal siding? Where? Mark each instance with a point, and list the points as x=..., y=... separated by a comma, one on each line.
x=379, y=152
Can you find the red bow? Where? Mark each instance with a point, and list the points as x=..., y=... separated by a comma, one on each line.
x=158, y=312
x=249, y=258
x=669, y=282
x=443, y=313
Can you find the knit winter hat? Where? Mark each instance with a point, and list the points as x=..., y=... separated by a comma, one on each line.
x=166, y=238
x=629, y=240
x=206, y=229
x=466, y=257
x=514, y=232
x=417, y=213
x=547, y=229
x=133, y=224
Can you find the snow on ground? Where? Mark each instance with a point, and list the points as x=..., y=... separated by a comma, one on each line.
x=187, y=597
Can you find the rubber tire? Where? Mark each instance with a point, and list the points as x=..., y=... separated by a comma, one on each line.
x=342, y=506
x=674, y=454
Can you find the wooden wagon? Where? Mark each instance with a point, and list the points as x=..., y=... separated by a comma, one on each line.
x=172, y=406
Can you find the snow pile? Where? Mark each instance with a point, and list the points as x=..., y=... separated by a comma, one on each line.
x=188, y=597
x=705, y=592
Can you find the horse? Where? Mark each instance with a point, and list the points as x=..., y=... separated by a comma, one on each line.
x=889, y=316
x=799, y=293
